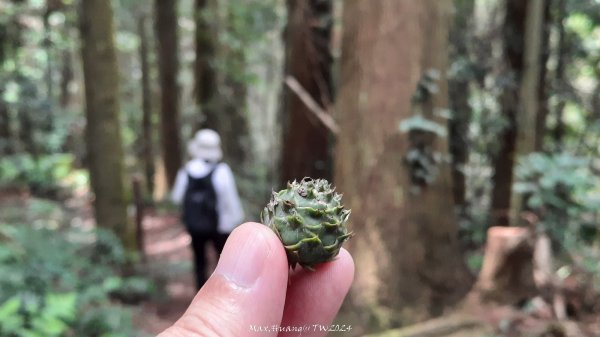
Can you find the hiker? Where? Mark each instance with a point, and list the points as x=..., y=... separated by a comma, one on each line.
x=205, y=187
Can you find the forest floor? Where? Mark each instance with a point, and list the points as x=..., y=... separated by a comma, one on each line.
x=166, y=246
x=167, y=250
x=168, y=262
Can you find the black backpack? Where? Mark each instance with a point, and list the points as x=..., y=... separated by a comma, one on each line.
x=200, y=205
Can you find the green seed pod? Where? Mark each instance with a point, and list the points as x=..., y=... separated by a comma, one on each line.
x=310, y=220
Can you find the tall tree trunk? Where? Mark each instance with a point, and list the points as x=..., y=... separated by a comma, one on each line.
x=6, y=141
x=103, y=133
x=28, y=124
x=168, y=63
x=543, y=106
x=66, y=78
x=147, y=126
x=529, y=94
x=560, y=82
x=459, y=99
x=204, y=67
x=306, y=142
x=529, y=91
x=47, y=43
x=221, y=96
x=503, y=162
x=406, y=244
x=233, y=124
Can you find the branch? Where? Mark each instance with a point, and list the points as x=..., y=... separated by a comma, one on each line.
x=324, y=117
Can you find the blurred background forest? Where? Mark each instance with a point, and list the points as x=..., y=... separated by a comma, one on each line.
x=464, y=134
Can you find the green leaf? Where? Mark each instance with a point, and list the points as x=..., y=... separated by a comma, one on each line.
x=61, y=305
x=9, y=308
x=418, y=122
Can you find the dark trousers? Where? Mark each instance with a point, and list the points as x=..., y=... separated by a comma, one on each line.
x=198, y=245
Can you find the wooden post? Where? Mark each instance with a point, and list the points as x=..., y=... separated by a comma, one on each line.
x=139, y=216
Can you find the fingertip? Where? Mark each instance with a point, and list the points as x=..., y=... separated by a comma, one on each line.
x=346, y=258
x=316, y=296
x=247, y=288
x=278, y=257
x=345, y=265
x=251, y=251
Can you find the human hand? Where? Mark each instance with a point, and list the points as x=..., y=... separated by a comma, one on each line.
x=248, y=294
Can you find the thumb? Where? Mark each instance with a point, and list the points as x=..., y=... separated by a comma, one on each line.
x=247, y=288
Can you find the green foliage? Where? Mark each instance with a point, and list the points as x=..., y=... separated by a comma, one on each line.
x=420, y=123
x=61, y=283
x=31, y=318
x=427, y=86
x=475, y=261
x=559, y=189
x=45, y=174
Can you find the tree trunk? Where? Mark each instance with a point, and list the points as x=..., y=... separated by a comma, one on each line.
x=48, y=45
x=221, y=96
x=6, y=141
x=168, y=64
x=147, y=126
x=529, y=95
x=233, y=124
x=204, y=69
x=103, y=133
x=66, y=78
x=28, y=128
x=458, y=87
x=543, y=87
x=503, y=162
x=560, y=82
x=529, y=91
x=306, y=142
x=406, y=244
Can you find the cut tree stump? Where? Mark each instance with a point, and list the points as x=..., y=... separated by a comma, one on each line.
x=507, y=275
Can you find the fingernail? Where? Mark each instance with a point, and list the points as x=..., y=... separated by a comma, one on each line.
x=243, y=257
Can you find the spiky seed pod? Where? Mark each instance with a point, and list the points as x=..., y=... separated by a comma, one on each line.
x=310, y=220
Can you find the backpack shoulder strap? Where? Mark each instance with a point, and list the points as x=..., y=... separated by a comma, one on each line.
x=213, y=169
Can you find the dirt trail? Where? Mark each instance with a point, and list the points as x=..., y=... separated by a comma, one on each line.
x=166, y=245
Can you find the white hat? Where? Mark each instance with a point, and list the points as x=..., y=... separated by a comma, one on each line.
x=206, y=145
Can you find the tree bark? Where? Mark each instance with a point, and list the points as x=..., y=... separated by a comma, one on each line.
x=103, y=133
x=233, y=126
x=48, y=46
x=406, y=243
x=306, y=143
x=204, y=68
x=529, y=91
x=28, y=128
x=6, y=141
x=66, y=78
x=147, y=125
x=503, y=162
x=459, y=92
x=232, y=122
x=543, y=87
x=529, y=96
x=560, y=82
x=221, y=95
x=168, y=64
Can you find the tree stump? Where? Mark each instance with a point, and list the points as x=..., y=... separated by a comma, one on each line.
x=507, y=273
